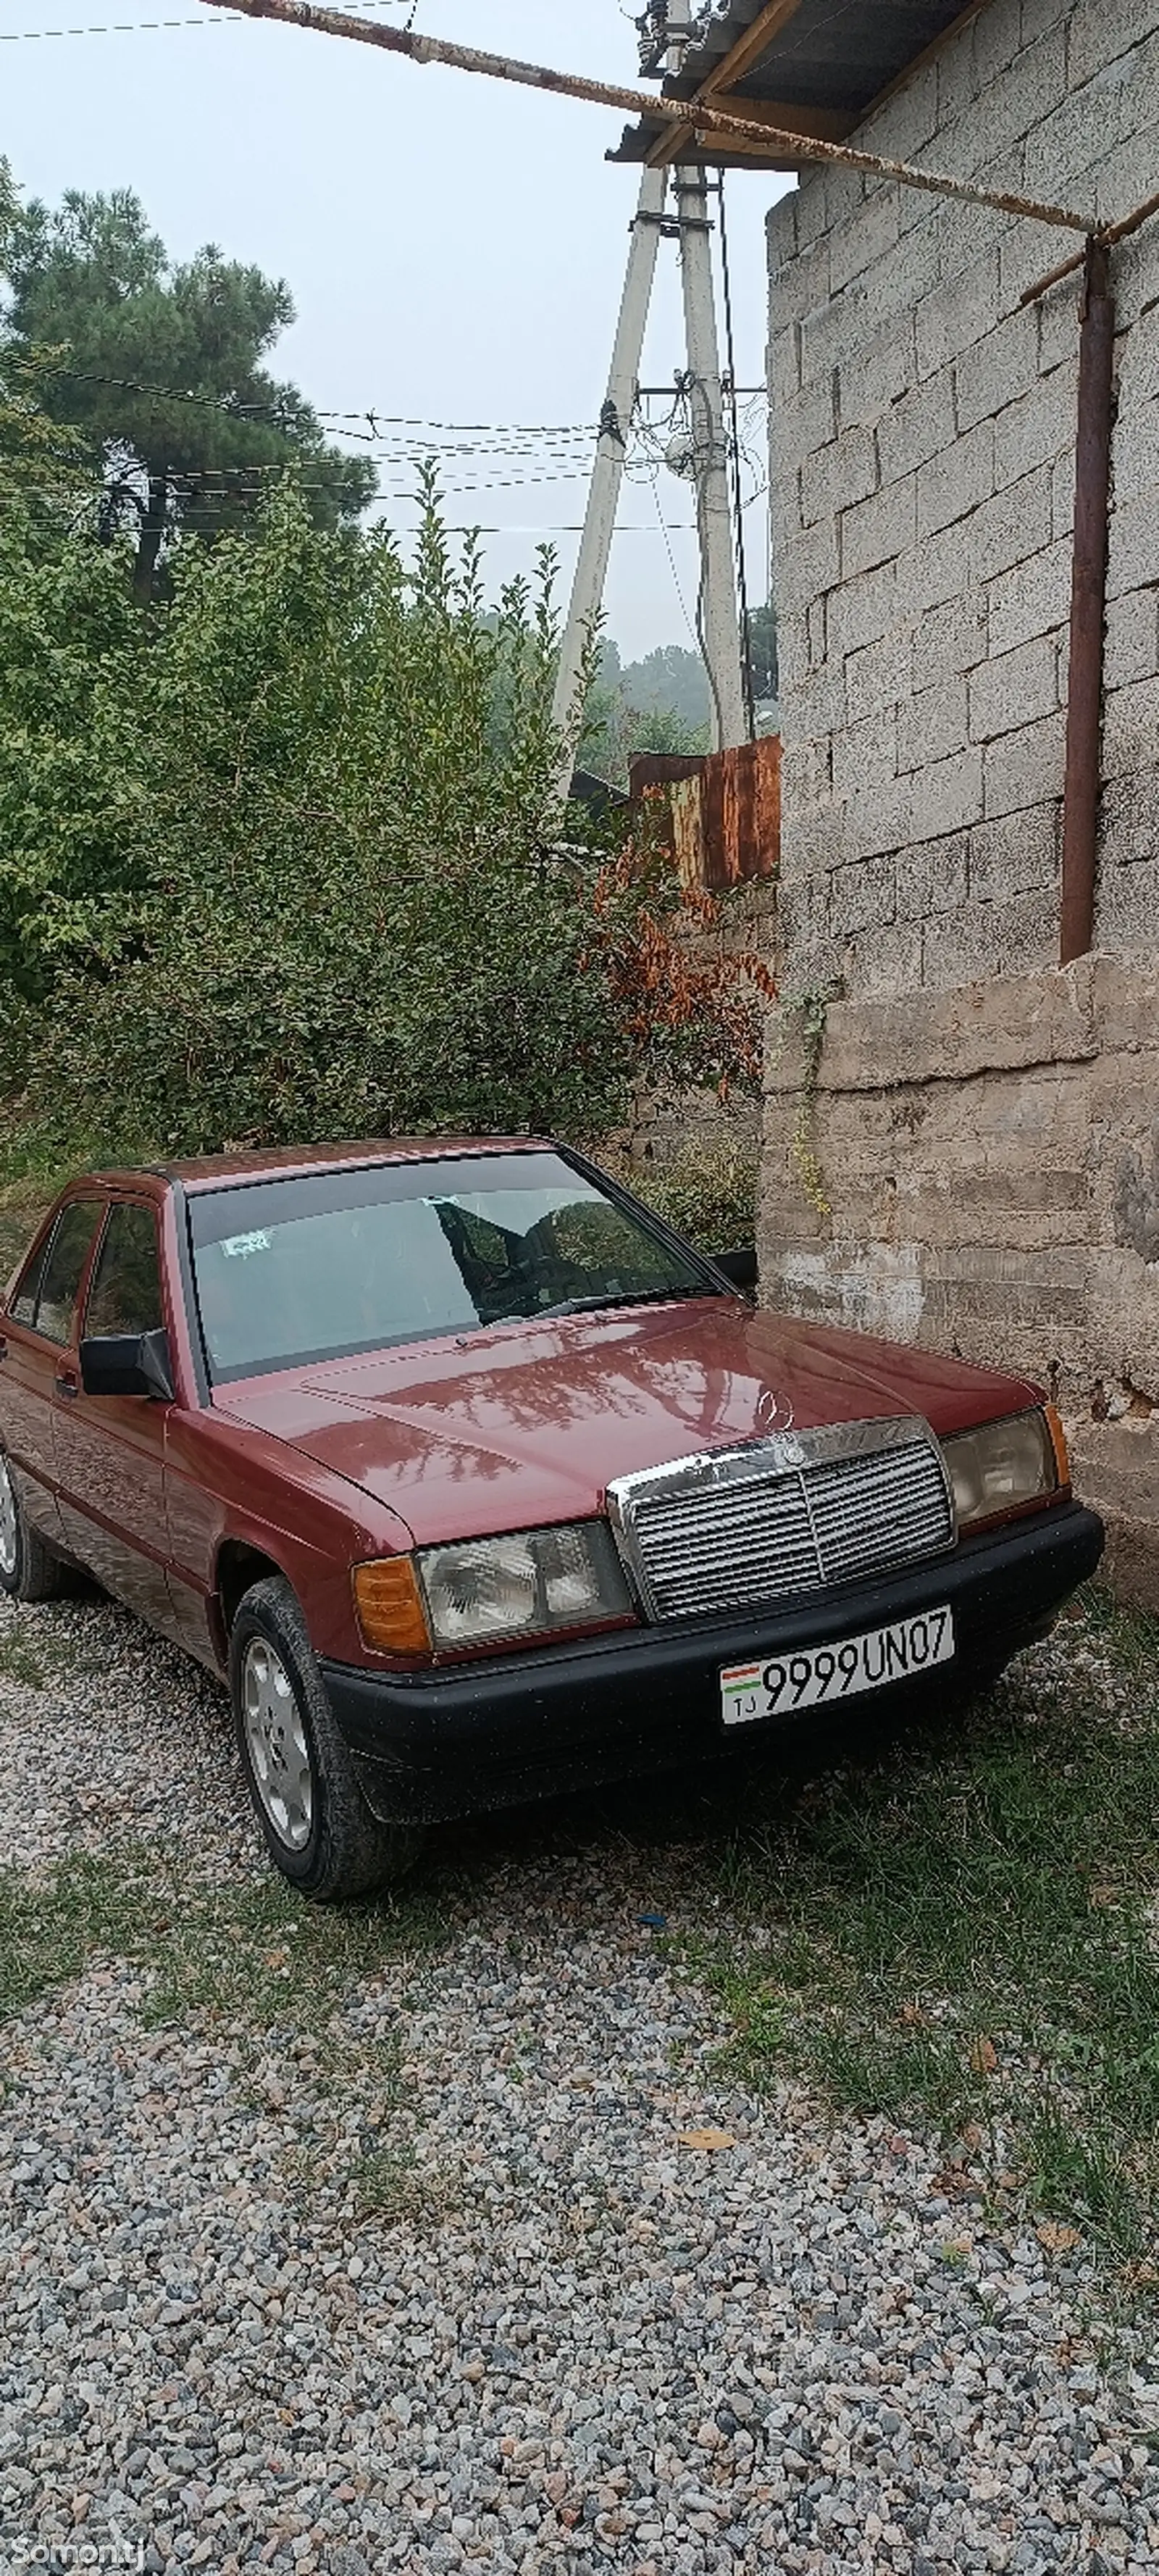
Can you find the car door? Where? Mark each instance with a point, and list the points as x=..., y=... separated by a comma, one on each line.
x=110, y=1449
x=34, y=1340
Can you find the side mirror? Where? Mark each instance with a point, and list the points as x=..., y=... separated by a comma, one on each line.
x=127, y=1364
x=740, y=1268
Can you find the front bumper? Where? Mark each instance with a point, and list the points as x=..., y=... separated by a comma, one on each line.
x=533, y=1725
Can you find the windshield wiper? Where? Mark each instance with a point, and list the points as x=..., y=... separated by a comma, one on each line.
x=635, y=1297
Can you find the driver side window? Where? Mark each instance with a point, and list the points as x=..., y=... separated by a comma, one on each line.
x=125, y=1295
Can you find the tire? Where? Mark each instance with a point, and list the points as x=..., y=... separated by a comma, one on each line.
x=317, y=1826
x=28, y=1569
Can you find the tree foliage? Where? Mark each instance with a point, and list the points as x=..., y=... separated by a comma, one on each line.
x=158, y=368
x=280, y=861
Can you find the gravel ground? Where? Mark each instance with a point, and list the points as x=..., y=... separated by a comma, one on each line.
x=566, y=2338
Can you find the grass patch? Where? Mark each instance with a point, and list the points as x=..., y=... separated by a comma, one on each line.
x=19, y=1661
x=963, y=1930
x=252, y=1957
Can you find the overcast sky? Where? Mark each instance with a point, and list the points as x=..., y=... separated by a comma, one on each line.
x=455, y=247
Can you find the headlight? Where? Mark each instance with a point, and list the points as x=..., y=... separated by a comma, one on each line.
x=1003, y=1465
x=485, y=1590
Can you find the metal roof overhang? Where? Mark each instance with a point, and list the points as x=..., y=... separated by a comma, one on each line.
x=800, y=65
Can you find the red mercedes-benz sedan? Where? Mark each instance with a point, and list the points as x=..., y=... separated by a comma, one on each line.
x=478, y=1483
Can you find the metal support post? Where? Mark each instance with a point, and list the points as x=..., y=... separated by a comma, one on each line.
x=1088, y=606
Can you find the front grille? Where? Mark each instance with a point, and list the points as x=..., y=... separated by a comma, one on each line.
x=789, y=1514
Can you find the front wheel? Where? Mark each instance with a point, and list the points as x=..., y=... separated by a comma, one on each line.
x=28, y=1569
x=317, y=1825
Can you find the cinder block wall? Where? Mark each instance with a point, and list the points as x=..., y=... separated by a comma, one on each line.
x=923, y=464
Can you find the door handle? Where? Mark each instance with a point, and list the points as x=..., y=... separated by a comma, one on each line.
x=67, y=1383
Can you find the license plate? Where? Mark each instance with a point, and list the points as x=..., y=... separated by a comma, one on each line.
x=779, y=1685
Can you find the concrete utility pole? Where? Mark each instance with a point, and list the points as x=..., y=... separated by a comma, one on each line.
x=591, y=570
x=718, y=624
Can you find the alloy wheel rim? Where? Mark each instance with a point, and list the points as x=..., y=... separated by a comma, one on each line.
x=279, y=1754
x=8, y=1531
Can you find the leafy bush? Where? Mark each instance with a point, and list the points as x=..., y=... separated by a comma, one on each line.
x=276, y=861
x=708, y=1192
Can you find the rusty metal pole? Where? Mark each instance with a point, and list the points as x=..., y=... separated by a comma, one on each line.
x=1084, y=724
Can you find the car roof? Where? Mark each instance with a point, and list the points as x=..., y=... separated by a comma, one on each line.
x=215, y=1171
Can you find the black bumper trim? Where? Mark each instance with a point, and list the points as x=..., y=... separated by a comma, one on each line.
x=454, y=1742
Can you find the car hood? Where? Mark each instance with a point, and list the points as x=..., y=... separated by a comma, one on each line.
x=529, y=1423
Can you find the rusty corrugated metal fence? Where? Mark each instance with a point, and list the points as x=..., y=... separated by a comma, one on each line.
x=725, y=812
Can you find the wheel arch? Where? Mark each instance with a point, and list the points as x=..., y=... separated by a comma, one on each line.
x=239, y=1564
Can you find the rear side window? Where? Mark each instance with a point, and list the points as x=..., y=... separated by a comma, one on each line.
x=64, y=1265
x=125, y=1296
x=23, y=1306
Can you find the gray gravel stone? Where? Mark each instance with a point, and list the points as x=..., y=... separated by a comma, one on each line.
x=580, y=2346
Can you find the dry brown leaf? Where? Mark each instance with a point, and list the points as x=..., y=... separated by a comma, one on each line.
x=1057, y=2239
x=709, y=2142
x=983, y=2057
x=913, y=2014
x=1102, y=1893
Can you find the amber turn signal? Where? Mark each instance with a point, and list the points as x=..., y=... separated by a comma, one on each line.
x=389, y=1607
x=1058, y=1444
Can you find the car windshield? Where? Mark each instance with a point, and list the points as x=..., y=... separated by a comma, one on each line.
x=334, y=1263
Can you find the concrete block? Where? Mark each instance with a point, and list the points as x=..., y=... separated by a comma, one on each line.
x=932, y=724
x=950, y=640
x=1016, y=523
x=1026, y=767
x=819, y=703
x=877, y=675
x=806, y=776
x=918, y=425
x=868, y=234
x=939, y=571
x=1017, y=854
x=1039, y=426
x=817, y=627
x=1136, y=453
x=863, y=897
x=1131, y=728
x=877, y=820
x=781, y=234
x=1133, y=555
x=879, y=528
x=1126, y=1010
x=933, y=877
x=828, y=334
x=1062, y=497
x=999, y=941
x=1132, y=637
x=1032, y=599
x=812, y=219
x=1101, y=37
x=953, y=318
x=1075, y=135
x=864, y=755
x=877, y=961
x=801, y=286
x=878, y=376
x=1041, y=1018
x=1058, y=325
x=833, y=478
x=956, y=480
x=802, y=422
x=1014, y=690
x=1127, y=910
x=946, y=796
x=863, y=609
x=807, y=564
x=994, y=371
x=1129, y=819
x=906, y=122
